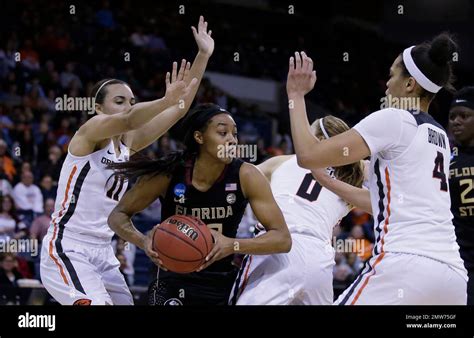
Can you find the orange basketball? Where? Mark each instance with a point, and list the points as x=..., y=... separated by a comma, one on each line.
x=182, y=242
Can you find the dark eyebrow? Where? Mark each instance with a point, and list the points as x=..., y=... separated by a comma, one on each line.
x=225, y=124
x=123, y=97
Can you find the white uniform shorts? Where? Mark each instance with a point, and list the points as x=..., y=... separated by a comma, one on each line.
x=78, y=273
x=302, y=276
x=405, y=279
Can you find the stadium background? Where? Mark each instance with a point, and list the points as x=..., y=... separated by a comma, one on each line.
x=64, y=53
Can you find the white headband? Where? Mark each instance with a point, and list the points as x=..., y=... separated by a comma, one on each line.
x=414, y=71
x=321, y=125
x=101, y=86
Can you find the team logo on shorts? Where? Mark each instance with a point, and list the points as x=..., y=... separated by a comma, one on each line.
x=83, y=301
x=231, y=198
x=173, y=302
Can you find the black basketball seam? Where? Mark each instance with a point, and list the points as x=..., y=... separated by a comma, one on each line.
x=190, y=244
x=177, y=259
x=202, y=234
x=199, y=223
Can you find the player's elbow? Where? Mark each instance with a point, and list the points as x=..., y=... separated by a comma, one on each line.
x=285, y=242
x=304, y=161
x=113, y=219
x=129, y=121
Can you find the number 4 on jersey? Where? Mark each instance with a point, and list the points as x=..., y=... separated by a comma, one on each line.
x=438, y=171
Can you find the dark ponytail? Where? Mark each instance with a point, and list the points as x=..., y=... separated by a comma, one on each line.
x=434, y=59
x=197, y=119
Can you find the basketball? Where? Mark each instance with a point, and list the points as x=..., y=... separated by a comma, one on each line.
x=182, y=242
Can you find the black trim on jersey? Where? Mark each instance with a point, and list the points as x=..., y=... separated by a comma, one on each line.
x=112, y=188
x=62, y=223
x=354, y=285
x=235, y=296
x=422, y=118
x=119, y=190
x=380, y=216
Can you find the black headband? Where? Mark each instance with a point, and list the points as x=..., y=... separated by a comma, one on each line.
x=199, y=118
x=464, y=98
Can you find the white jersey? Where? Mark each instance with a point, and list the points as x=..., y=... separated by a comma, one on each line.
x=409, y=190
x=86, y=195
x=307, y=207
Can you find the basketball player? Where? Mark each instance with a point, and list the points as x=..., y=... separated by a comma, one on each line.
x=461, y=178
x=78, y=264
x=305, y=274
x=415, y=258
x=209, y=184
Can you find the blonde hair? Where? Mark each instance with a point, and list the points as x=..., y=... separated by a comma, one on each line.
x=352, y=174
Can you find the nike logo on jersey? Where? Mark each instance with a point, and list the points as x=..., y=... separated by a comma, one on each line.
x=108, y=152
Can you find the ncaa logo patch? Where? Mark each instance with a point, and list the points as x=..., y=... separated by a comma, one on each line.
x=173, y=302
x=179, y=189
x=231, y=198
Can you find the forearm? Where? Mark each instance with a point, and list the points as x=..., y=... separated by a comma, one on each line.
x=143, y=112
x=273, y=241
x=303, y=139
x=357, y=197
x=197, y=71
x=123, y=226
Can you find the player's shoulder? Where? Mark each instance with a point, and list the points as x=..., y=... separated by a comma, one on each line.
x=392, y=113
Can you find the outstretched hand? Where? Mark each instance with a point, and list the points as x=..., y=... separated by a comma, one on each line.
x=177, y=87
x=301, y=76
x=203, y=37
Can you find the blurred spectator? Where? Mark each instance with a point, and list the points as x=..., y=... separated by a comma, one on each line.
x=27, y=195
x=68, y=78
x=29, y=56
x=105, y=17
x=5, y=186
x=52, y=166
x=138, y=38
x=9, y=276
x=10, y=226
x=48, y=189
x=8, y=166
x=342, y=271
x=127, y=252
x=363, y=247
x=40, y=224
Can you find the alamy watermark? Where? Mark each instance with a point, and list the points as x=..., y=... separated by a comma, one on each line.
x=68, y=103
x=23, y=245
x=405, y=103
x=348, y=245
x=243, y=151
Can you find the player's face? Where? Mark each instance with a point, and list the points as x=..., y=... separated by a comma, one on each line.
x=396, y=81
x=119, y=99
x=461, y=124
x=220, y=138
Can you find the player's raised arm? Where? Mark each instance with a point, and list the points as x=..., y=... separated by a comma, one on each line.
x=149, y=133
x=311, y=153
x=104, y=126
x=144, y=192
x=277, y=238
